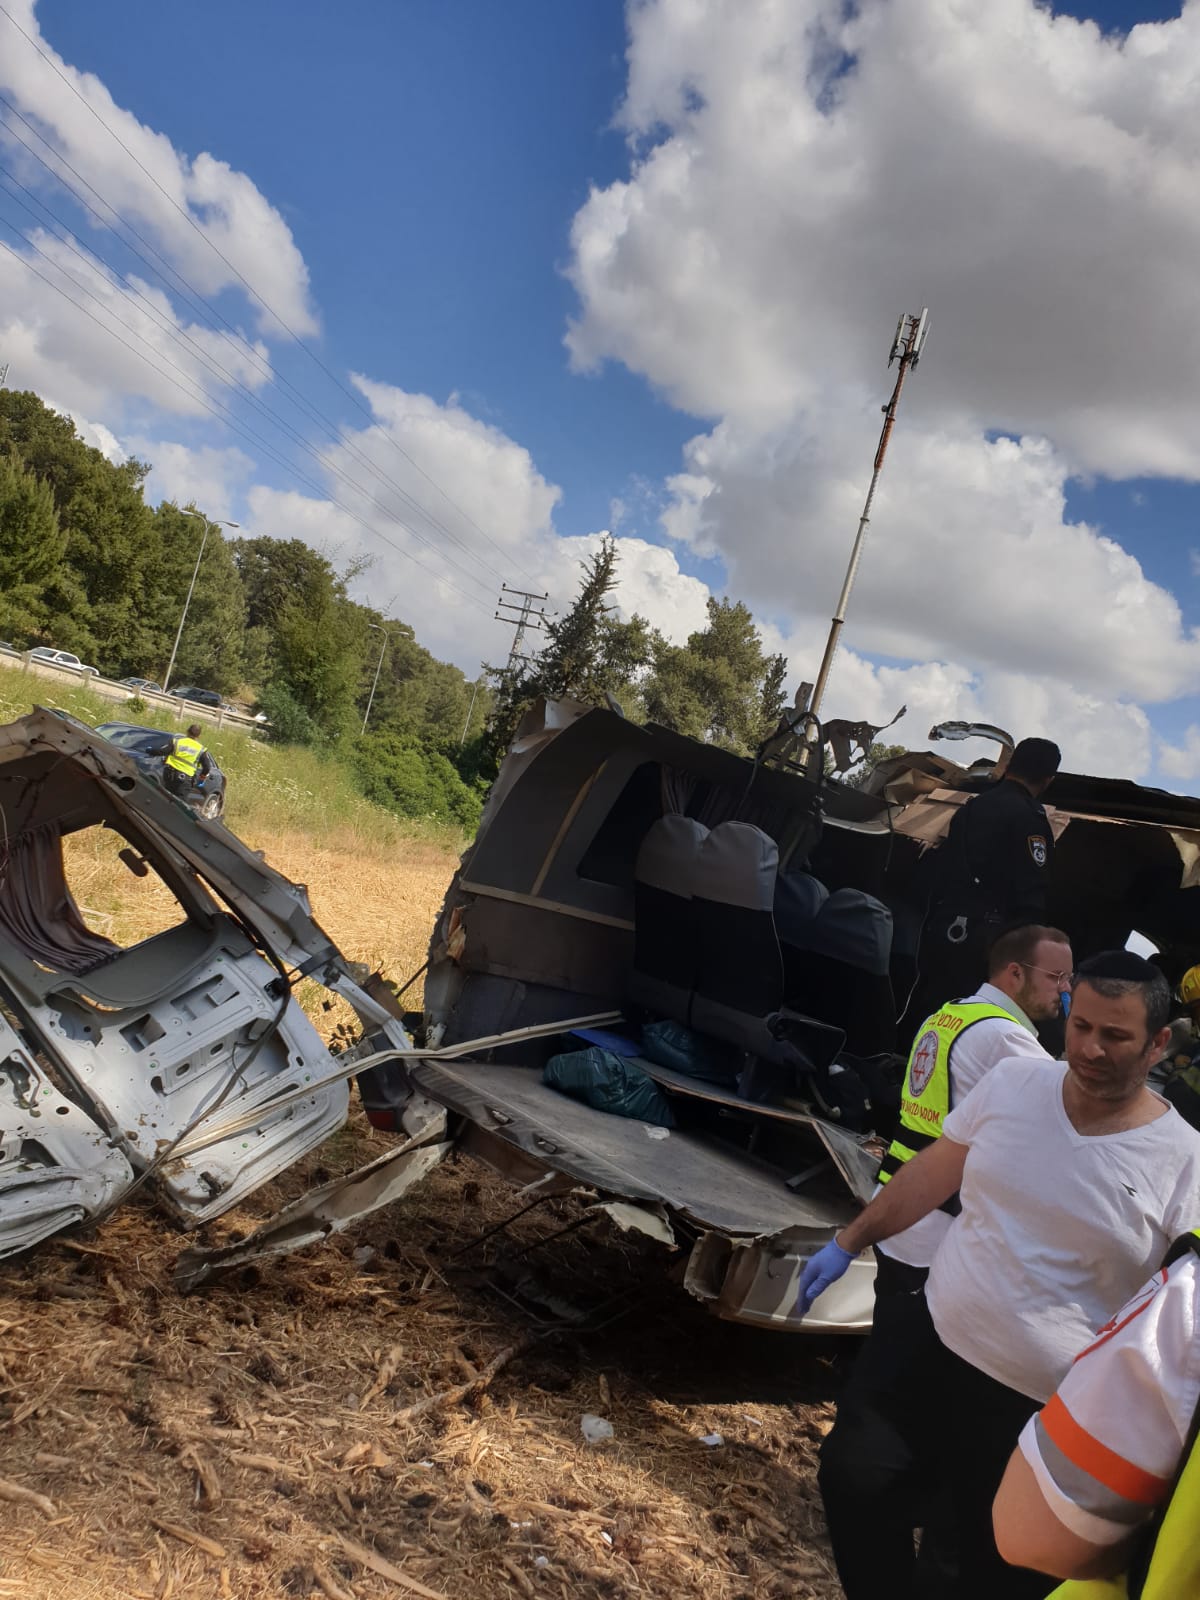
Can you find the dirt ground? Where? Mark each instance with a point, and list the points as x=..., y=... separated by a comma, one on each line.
x=259, y=1439
x=252, y=1439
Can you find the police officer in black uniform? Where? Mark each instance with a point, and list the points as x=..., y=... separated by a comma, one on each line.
x=991, y=873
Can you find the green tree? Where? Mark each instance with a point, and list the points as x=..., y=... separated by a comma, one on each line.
x=31, y=547
x=719, y=686
x=589, y=654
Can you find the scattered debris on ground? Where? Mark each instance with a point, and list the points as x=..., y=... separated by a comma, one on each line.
x=390, y=1415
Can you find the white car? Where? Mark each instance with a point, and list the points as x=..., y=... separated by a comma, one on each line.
x=61, y=658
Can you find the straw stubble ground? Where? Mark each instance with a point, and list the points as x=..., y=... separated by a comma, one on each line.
x=259, y=1439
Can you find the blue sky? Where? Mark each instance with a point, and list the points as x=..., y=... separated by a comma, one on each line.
x=639, y=271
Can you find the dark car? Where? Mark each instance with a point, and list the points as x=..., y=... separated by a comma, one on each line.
x=201, y=697
x=146, y=745
x=142, y=683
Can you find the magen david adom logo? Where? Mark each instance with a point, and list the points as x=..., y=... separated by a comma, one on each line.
x=923, y=1062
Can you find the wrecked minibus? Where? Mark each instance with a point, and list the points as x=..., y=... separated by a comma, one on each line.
x=627, y=885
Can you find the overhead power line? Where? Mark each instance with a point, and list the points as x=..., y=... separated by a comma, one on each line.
x=355, y=400
x=243, y=432
x=212, y=404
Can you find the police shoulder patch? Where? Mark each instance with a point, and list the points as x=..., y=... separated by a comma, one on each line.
x=1037, y=848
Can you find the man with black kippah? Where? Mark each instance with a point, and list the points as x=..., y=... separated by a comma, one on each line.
x=1074, y=1178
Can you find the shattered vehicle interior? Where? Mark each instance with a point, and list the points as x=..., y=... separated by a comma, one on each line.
x=110, y=1057
x=736, y=938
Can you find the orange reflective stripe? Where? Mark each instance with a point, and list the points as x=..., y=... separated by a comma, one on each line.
x=1098, y=1461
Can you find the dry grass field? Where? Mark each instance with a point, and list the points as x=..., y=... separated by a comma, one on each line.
x=398, y=1412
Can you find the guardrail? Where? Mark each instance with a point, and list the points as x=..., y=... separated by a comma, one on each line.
x=110, y=689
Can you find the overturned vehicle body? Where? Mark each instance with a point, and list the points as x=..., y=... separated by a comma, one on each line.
x=113, y=1057
x=773, y=920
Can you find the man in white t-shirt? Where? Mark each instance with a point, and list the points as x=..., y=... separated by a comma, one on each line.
x=1074, y=1179
x=882, y=1411
x=1085, y=1491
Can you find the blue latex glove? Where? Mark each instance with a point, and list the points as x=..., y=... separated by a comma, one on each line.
x=826, y=1267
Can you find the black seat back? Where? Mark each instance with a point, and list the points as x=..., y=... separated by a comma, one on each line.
x=664, y=941
x=739, y=972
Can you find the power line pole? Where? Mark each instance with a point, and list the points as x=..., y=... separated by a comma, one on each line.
x=525, y=618
x=911, y=332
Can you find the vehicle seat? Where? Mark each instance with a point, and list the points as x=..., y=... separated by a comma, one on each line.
x=740, y=993
x=664, y=941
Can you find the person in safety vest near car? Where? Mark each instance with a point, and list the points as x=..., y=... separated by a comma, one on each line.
x=186, y=760
x=882, y=1414
x=1074, y=1179
x=1104, y=1486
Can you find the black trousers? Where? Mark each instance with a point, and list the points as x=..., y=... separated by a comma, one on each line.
x=983, y=1422
x=880, y=1464
x=921, y=1441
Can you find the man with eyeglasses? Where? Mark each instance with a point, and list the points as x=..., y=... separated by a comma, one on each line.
x=1074, y=1179
x=882, y=1412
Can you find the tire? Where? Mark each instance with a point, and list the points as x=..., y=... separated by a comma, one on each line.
x=210, y=807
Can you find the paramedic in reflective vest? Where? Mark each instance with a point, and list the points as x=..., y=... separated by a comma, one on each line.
x=1074, y=1179
x=186, y=757
x=1104, y=1487
x=991, y=872
x=882, y=1415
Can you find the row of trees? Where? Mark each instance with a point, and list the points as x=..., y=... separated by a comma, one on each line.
x=87, y=565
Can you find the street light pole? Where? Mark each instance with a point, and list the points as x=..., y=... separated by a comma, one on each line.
x=470, y=712
x=191, y=586
x=378, y=670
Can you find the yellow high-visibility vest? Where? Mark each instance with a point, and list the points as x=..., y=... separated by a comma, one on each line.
x=927, y=1096
x=185, y=756
x=1166, y=1565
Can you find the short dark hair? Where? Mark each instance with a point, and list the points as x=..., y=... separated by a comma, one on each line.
x=193, y=730
x=1114, y=973
x=1019, y=944
x=1035, y=760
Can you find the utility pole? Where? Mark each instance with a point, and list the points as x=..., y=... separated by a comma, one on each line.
x=911, y=333
x=525, y=617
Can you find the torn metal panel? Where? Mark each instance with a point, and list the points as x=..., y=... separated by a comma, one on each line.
x=332, y=1208
x=57, y=1167
x=638, y=1219
x=132, y=1048
x=701, y=1180
x=760, y=1283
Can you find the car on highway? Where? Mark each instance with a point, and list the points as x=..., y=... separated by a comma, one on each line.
x=8, y=648
x=62, y=658
x=200, y=697
x=142, y=683
x=147, y=747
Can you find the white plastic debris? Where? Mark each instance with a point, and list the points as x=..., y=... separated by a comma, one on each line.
x=607, y=1537
x=595, y=1429
x=520, y=1524
x=711, y=1439
x=755, y=1420
x=541, y=1561
x=656, y=1133
x=363, y=1254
